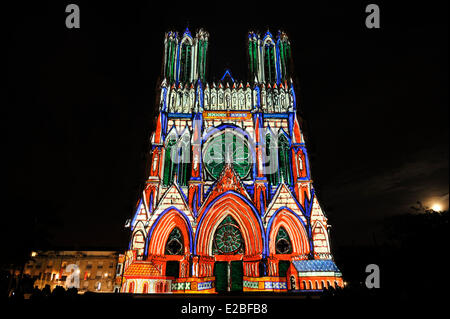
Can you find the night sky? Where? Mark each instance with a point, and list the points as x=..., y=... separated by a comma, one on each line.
x=80, y=108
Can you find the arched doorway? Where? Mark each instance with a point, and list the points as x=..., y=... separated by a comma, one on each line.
x=228, y=245
x=228, y=230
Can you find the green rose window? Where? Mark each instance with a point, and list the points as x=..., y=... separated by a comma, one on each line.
x=228, y=238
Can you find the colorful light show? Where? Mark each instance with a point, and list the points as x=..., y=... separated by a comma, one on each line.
x=229, y=203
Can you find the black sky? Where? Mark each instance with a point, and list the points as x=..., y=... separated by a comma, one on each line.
x=80, y=107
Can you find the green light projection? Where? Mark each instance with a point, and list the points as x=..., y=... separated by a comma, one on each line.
x=227, y=148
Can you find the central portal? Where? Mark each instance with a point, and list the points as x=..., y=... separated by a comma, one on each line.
x=228, y=276
x=228, y=248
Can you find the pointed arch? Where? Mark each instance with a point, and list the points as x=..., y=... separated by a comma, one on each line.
x=138, y=241
x=281, y=131
x=172, y=133
x=294, y=226
x=175, y=242
x=283, y=243
x=139, y=206
x=187, y=37
x=320, y=238
x=163, y=226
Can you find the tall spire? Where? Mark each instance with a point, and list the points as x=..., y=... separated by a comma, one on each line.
x=269, y=57
x=185, y=56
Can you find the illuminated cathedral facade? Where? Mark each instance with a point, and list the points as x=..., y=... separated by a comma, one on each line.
x=229, y=203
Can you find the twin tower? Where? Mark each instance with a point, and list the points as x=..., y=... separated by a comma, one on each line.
x=269, y=58
x=229, y=203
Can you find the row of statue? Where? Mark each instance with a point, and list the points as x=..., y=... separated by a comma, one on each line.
x=271, y=98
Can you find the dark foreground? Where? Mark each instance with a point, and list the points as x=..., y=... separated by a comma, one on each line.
x=351, y=303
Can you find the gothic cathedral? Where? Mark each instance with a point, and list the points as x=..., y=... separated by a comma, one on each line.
x=229, y=203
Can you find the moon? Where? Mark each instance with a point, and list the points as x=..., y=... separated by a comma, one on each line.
x=436, y=207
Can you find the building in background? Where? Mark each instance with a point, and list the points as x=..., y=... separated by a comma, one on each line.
x=94, y=271
x=229, y=203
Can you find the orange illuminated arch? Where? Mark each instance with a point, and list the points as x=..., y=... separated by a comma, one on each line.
x=162, y=230
x=295, y=229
